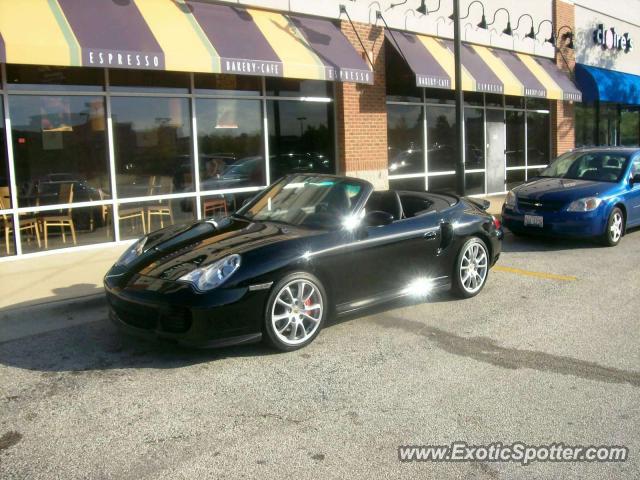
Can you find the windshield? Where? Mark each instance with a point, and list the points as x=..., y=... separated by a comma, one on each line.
x=596, y=166
x=304, y=200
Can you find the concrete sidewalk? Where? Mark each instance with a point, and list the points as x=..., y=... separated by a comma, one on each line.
x=64, y=276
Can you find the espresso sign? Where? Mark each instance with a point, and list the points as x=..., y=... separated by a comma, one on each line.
x=609, y=39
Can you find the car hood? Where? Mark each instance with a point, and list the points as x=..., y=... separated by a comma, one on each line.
x=175, y=251
x=561, y=189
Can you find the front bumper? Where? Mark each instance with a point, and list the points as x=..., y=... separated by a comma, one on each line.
x=158, y=309
x=556, y=223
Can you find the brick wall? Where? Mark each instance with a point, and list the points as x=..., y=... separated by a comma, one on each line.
x=562, y=113
x=361, y=112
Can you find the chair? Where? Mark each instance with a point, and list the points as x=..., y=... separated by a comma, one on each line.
x=133, y=213
x=163, y=207
x=64, y=220
x=25, y=224
x=213, y=207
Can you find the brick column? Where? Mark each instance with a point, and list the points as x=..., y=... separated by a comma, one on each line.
x=562, y=112
x=361, y=113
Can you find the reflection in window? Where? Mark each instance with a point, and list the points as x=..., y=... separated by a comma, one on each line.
x=441, y=123
x=223, y=205
x=148, y=81
x=443, y=183
x=538, y=139
x=515, y=178
x=291, y=87
x=630, y=126
x=59, y=141
x=68, y=227
x=138, y=219
x=223, y=84
x=515, y=138
x=301, y=138
x=474, y=138
x=474, y=183
x=585, y=125
x=152, y=146
x=416, y=184
x=7, y=245
x=29, y=77
x=608, y=125
x=405, y=139
x=230, y=143
x=5, y=190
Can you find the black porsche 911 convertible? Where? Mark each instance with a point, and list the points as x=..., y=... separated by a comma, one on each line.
x=305, y=248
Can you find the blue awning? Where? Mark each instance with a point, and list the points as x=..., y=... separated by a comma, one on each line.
x=607, y=85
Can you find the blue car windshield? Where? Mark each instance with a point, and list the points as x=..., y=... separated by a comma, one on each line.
x=605, y=166
x=306, y=200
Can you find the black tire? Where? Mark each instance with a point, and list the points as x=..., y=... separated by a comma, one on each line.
x=271, y=336
x=611, y=236
x=458, y=288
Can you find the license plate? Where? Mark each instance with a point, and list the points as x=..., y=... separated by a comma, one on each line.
x=533, y=221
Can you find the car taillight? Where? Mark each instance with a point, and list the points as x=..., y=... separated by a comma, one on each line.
x=496, y=223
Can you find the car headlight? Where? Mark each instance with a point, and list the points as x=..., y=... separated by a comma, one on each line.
x=214, y=275
x=588, y=204
x=133, y=252
x=510, y=200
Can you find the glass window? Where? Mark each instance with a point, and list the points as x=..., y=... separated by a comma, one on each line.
x=416, y=184
x=59, y=141
x=7, y=240
x=5, y=190
x=511, y=101
x=537, y=104
x=405, y=139
x=538, y=138
x=148, y=81
x=291, y=87
x=438, y=95
x=220, y=206
x=493, y=100
x=28, y=77
x=599, y=166
x=70, y=227
x=230, y=143
x=301, y=138
x=152, y=139
x=443, y=183
x=515, y=138
x=474, y=98
x=608, y=125
x=474, y=138
x=630, y=126
x=474, y=183
x=140, y=218
x=400, y=80
x=515, y=178
x=222, y=84
x=441, y=143
x=585, y=125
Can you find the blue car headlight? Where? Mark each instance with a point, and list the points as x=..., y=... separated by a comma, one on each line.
x=510, y=200
x=588, y=204
x=214, y=275
x=133, y=252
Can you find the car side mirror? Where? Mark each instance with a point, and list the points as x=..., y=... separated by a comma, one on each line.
x=635, y=179
x=377, y=218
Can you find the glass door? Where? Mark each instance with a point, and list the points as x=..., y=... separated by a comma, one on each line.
x=495, y=151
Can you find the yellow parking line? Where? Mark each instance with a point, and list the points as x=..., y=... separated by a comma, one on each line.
x=548, y=276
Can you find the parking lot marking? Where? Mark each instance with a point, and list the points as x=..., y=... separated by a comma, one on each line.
x=548, y=276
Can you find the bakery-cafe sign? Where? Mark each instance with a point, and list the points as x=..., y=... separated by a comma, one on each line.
x=609, y=39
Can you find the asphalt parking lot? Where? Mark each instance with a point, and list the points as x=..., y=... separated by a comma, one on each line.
x=548, y=352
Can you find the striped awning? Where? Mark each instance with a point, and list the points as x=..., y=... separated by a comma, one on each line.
x=176, y=35
x=484, y=69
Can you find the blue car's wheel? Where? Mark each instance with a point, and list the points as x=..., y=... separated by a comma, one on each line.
x=615, y=228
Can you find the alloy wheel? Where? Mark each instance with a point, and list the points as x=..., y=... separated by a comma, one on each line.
x=296, y=312
x=615, y=229
x=474, y=267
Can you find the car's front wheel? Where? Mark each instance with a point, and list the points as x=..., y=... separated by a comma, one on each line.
x=615, y=228
x=471, y=269
x=295, y=312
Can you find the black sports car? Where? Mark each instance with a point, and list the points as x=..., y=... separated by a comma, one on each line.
x=305, y=248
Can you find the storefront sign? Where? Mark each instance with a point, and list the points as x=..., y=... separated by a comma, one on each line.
x=433, y=82
x=251, y=67
x=112, y=58
x=608, y=39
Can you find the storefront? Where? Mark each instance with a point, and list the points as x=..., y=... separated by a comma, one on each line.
x=608, y=73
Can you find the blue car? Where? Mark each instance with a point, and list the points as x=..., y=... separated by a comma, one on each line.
x=589, y=192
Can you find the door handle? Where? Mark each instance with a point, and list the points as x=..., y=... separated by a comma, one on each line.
x=430, y=235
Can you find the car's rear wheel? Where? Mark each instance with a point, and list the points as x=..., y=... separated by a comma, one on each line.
x=471, y=269
x=295, y=312
x=615, y=228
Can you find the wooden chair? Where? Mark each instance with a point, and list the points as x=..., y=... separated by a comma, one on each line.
x=215, y=207
x=133, y=213
x=63, y=220
x=163, y=207
x=29, y=225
